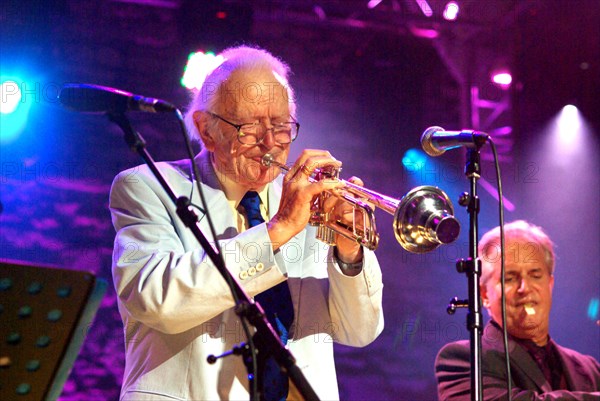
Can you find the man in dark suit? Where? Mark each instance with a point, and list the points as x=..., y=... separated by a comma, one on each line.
x=540, y=368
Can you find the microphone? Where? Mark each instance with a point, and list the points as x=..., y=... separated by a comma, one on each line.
x=88, y=98
x=435, y=140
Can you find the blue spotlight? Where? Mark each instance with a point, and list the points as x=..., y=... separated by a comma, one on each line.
x=14, y=109
x=414, y=160
x=593, y=308
x=10, y=93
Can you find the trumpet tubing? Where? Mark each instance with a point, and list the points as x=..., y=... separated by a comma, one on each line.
x=423, y=218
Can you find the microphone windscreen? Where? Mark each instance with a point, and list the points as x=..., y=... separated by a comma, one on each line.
x=89, y=98
x=427, y=143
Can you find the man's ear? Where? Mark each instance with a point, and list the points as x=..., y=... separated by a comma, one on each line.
x=201, y=123
x=484, y=295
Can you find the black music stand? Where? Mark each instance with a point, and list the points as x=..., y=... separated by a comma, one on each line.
x=45, y=313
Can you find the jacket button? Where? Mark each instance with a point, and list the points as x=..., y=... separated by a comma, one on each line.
x=243, y=275
x=252, y=271
x=259, y=267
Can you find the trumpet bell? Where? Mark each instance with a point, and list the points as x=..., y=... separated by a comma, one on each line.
x=425, y=220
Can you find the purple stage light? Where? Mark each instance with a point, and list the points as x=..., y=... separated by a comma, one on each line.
x=451, y=11
x=373, y=3
x=502, y=79
x=425, y=7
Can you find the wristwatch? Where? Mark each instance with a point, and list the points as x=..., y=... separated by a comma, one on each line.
x=347, y=266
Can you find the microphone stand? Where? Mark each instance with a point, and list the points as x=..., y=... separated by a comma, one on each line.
x=472, y=268
x=267, y=341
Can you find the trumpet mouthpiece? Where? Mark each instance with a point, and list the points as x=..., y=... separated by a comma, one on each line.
x=267, y=160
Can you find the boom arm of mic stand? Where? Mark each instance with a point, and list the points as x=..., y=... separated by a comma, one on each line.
x=245, y=308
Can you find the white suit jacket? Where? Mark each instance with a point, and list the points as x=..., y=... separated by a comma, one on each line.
x=177, y=309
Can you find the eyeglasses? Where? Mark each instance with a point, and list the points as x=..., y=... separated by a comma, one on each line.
x=255, y=133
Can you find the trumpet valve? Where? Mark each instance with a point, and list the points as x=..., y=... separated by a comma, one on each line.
x=326, y=235
x=327, y=172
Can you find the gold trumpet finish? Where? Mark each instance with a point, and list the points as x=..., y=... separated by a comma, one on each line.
x=423, y=218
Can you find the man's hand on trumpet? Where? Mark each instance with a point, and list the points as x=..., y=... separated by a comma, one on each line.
x=347, y=250
x=298, y=192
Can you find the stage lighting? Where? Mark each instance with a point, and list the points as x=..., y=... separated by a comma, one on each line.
x=502, y=78
x=568, y=136
x=199, y=65
x=451, y=11
x=15, y=102
x=414, y=160
x=593, y=308
x=570, y=110
x=10, y=96
x=426, y=33
x=12, y=125
x=569, y=125
x=373, y=3
x=425, y=8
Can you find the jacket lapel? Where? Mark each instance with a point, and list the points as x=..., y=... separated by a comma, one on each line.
x=521, y=359
x=522, y=364
x=572, y=370
x=215, y=197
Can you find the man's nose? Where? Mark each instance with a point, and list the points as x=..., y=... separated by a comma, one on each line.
x=524, y=285
x=269, y=139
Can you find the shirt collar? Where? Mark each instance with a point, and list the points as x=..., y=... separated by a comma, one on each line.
x=233, y=192
x=525, y=342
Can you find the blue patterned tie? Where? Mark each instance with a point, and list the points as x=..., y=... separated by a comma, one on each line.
x=277, y=304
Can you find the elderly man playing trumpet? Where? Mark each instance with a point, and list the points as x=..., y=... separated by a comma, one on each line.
x=176, y=307
x=540, y=368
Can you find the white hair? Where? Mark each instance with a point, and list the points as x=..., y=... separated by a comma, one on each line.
x=489, y=245
x=235, y=59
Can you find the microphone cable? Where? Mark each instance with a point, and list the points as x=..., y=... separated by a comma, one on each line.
x=502, y=268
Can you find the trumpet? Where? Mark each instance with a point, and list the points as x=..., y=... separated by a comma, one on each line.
x=423, y=218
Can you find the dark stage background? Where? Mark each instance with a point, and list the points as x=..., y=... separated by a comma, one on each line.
x=368, y=84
